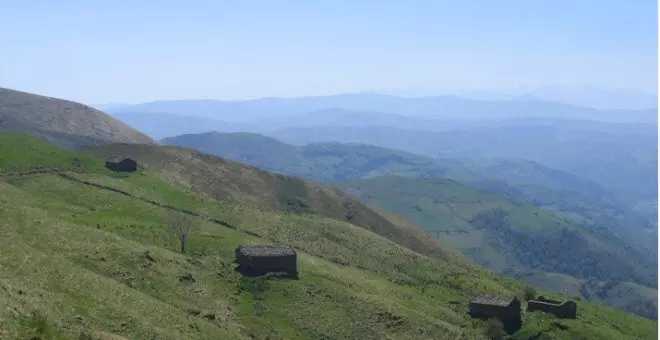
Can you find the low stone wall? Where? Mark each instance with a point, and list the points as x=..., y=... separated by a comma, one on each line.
x=562, y=309
x=509, y=315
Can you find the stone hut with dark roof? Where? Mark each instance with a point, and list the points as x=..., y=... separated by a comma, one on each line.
x=507, y=310
x=562, y=309
x=121, y=164
x=261, y=259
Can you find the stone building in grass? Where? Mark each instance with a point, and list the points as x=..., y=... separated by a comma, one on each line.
x=562, y=309
x=121, y=164
x=261, y=259
x=507, y=310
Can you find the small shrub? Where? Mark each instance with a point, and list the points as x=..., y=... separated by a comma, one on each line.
x=85, y=336
x=38, y=322
x=494, y=329
x=530, y=293
x=560, y=325
x=37, y=326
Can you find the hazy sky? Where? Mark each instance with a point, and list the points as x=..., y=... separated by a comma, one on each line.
x=132, y=51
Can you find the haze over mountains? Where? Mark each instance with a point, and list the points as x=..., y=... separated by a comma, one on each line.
x=444, y=107
x=517, y=217
x=328, y=170
x=596, y=168
x=600, y=145
x=587, y=96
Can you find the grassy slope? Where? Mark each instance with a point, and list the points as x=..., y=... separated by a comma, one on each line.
x=528, y=241
x=582, y=201
x=323, y=161
x=627, y=296
x=95, y=261
x=553, y=190
x=603, y=156
x=227, y=180
x=62, y=122
x=448, y=206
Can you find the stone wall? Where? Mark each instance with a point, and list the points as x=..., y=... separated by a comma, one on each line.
x=510, y=315
x=562, y=309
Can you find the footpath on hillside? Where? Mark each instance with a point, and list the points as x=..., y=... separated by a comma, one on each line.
x=65, y=173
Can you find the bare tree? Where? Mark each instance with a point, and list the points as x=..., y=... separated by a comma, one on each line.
x=182, y=226
x=494, y=329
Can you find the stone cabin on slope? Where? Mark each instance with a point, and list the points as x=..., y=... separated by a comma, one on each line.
x=258, y=260
x=561, y=309
x=507, y=310
x=121, y=164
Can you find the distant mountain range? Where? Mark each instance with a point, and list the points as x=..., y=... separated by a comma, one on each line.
x=438, y=107
x=586, y=96
x=623, y=162
x=616, y=149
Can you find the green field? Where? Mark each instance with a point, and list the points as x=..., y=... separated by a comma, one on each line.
x=88, y=255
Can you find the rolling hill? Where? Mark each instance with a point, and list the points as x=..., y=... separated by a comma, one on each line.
x=159, y=125
x=581, y=204
x=516, y=239
x=65, y=123
x=625, y=162
x=222, y=179
x=321, y=161
x=87, y=254
x=582, y=201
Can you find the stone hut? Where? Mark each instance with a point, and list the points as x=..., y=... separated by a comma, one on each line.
x=562, y=309
x=261, y=259
x=507, y=310
x=122, y=164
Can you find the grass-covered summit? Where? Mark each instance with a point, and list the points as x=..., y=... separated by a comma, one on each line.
x=88, y=254
x=62, y=122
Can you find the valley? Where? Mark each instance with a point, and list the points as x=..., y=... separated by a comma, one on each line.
x=328, y=170
x=412, y=186
x=376, y=222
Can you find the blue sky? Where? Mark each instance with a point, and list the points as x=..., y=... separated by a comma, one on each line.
x=132, y=51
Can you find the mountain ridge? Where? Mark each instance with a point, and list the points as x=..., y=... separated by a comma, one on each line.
x=436, y=107
x=66, y=123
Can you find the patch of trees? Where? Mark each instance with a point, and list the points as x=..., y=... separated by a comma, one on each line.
x=561, y=250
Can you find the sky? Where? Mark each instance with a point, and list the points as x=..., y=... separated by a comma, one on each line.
x=137, y=51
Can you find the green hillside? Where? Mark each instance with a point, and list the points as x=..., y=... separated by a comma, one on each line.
x=222, y=179
x=621, y=158
x=62, y=122
x=86, y=254
x=581, y=201
x=580, y=204
x=321, y=162
x=510, y=237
